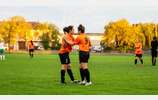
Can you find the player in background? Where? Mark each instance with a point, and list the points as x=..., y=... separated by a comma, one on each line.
x=138, y=52
x=154, y=44
x=31, y=49
x=2, y=50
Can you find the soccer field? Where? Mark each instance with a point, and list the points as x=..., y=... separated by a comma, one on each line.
x=110, y=74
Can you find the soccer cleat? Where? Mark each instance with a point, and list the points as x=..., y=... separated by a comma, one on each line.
x=75, y=81
x=88, y=83
x=82, y=82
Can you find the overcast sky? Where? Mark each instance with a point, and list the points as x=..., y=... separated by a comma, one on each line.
x=94, y=14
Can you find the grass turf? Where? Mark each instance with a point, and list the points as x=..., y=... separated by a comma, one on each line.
x=110, y=75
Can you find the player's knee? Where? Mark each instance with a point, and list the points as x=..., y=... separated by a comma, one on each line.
x=69, y=66
x=85, y=66
x=64, y=67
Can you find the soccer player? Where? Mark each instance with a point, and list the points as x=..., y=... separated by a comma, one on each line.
x=31, y=48
x=2, y=50
x=84, y=53
x=138, y=52
x=66, y=47
x=154, y=44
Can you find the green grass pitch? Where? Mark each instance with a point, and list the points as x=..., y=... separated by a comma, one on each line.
x=110, y=74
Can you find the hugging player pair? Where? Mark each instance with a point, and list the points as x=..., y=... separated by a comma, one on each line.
x=84, y=53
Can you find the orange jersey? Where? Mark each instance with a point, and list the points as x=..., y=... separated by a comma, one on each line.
x=84, y=42
x=138, y=48
x=31, y=46
x=65, y=47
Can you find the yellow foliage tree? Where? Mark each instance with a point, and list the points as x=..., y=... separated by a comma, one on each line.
x=119, y=35
x=14, y=29
x=122, y=35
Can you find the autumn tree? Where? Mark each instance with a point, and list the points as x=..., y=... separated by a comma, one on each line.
x=122, y=35
x=14, y=29
x=50, y=35
x=54, y=36
x=119, y=35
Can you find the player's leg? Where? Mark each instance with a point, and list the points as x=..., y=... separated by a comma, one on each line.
x=140, y=58
x=1, y=57
x=136, y=59
x=69, y=71
x=63, y=67
x=81, y=66
x=82, y=74
x=62, y=72
x=30, y=52
x=84, y=61
x=152, y=54
x=1, y=54
x=155, y=56
x=154, y=61
x=86, y=72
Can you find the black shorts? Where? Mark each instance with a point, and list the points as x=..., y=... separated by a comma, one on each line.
x=31, y=50
x=154, y=53
x=84, y=56
x=139, y=55
x=64, y=58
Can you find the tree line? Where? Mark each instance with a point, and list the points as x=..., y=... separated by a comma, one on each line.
x=17, y=28
x=121, y=35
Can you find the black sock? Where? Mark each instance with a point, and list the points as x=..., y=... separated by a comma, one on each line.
x=82, y=74
x=87, y=75
x=141, y=60
x=30, y=54
x=70, y=74
x=62, y=76
x=152, y=61
x=135, y=61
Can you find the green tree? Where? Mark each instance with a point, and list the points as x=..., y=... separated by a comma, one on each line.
x=54, y=36
x=50, y=35
x=45, y=40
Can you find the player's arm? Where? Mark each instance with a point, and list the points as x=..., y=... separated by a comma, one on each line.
x=141, y=46
x=68, y=41
x=77, y=40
